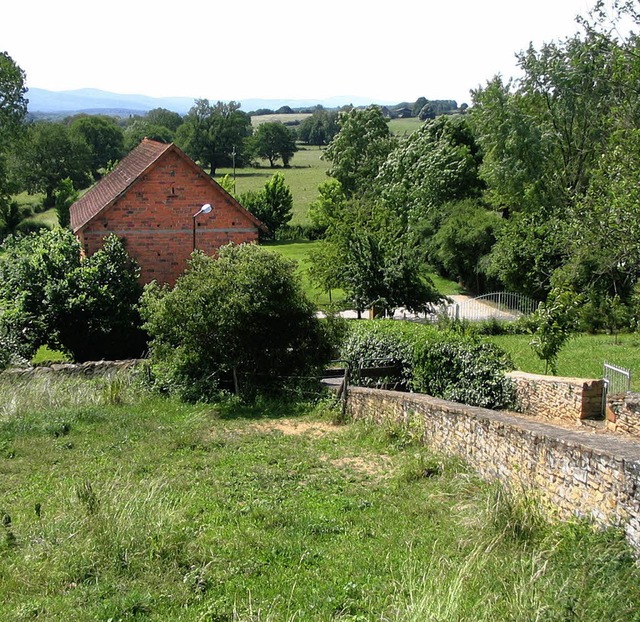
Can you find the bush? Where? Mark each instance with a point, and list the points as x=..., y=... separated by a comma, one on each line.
x=238, y=321
x=444, y=364
x=50, y=296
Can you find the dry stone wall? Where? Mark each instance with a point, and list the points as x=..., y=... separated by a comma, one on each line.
x=555, y=397
x=89, y=369
x=574, y=473
x=623, y=413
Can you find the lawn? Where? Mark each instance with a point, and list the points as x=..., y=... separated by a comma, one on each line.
x=118, y=505
x=582, y=357
x=306, y=173
x=299, y=251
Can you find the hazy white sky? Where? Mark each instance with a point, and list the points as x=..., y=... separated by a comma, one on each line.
x=279, y=49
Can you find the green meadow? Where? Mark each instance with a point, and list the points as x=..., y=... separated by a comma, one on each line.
x=119, y=505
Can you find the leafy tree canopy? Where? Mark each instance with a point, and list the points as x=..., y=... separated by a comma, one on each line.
x=242, y=315
x=359, y=149
x=210, y=133
x=273, y=141
x=104, y=138
x=50, y=296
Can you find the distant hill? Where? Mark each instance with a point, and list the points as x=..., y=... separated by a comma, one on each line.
x=94, y=101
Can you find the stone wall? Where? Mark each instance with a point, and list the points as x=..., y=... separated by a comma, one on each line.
x=623, y=413
x=574, y=473
x=89, y=369
x=555, y=397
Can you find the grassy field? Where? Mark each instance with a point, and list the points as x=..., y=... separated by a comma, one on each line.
x=306, y=173
x=299, y=251
x=582, y=357
x=403, y=127
x=121, y=506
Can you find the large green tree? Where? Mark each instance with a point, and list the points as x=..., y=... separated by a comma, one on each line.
x=50, y=153
x=377, y=266
x=273, y=141
x=50, y=296
x=104, y=138
x=359, y=149
x=242, y=316
x=543, y=139
x=13, y=110
x=211, y=133
x=436, y=164
x=273, y=205
x=320, y=128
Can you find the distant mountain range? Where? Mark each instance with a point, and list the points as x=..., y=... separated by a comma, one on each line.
x=94, y=101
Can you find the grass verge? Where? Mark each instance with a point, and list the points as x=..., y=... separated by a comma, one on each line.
x=583, y=356
x=142, y=508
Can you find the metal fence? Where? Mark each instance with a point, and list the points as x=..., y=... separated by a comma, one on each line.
x=616, y=379
x=504, y=306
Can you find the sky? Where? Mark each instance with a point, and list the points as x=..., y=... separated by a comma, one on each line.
x=279, y=50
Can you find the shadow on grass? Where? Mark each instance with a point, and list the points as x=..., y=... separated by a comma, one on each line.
x=264, y=408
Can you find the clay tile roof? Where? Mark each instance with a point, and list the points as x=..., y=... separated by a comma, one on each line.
x=111, y=186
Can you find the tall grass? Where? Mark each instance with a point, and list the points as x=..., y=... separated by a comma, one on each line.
x=143, y=508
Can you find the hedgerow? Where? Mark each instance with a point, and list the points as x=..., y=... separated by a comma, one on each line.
x=442, y=363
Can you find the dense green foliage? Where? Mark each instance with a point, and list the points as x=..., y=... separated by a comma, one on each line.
x=441, y=363
x=359, y=149
x=50, y=296
x=272, y=205
x=210, y=134
x=272, y=141
x=240, y=319
x=13, y=110
x=104, y=138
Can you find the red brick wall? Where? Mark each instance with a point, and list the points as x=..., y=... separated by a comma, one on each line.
x=155, y=220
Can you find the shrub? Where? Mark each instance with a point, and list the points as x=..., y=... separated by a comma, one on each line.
x=50, y=296
x=241, y=320
x=442, y=363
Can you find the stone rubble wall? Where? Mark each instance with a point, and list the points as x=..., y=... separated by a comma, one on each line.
x=555, y=397
x=90, y=369
x=573, y=473
x=623, y=413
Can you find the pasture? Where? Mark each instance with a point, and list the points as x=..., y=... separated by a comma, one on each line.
x=120, y=505
x=307, y=171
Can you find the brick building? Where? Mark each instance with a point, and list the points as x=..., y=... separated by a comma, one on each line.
x=149, y=200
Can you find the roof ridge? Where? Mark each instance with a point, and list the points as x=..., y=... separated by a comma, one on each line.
x=104, y=192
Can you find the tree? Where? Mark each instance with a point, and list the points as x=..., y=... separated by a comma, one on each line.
x=164, y=118
x=318, y=129
x=65, y=196
x=140, y=129
x=542, y=142
x=49, y=154
x=378, y=265
x=273, y=205
x=13, y=110
x=241, y=317
x=359, y=149
x=604, y=226
x=104, y=138
x=209, y=134
x=553, y=323
x=462, y=242
x=327, y=207
x=436, y=164
x=50, y=296
x=273, y=140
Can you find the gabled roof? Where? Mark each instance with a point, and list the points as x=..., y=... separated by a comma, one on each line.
x=113, y=185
